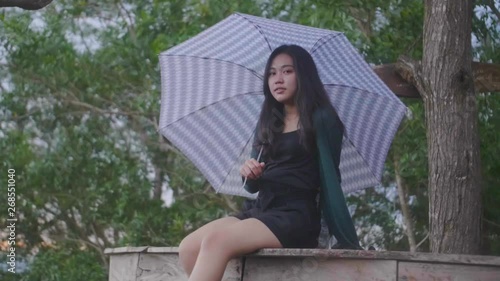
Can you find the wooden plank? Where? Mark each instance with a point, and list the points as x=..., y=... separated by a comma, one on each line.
x=123, y=267
x=339, y=254
x=316, y=269
x=156, y=267
x=413, y=271
x=381, y=255
x=169, y=250
x=125, y=250
x=161, y=263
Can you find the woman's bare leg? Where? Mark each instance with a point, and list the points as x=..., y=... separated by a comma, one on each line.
x=219, y=246
x=190, y=245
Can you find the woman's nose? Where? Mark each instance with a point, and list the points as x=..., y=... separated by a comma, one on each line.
x=279, y=78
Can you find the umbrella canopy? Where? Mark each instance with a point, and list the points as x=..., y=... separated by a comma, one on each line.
x=212, y=93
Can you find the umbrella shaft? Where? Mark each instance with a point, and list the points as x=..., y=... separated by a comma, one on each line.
x=258, y=158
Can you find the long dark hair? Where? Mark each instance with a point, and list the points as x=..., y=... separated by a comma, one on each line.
x=309, y=96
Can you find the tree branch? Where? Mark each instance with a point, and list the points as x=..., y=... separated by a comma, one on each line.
x=486, y=77
x=363, y=20
x=99, y=110
x=96, y=247
x=491, y=222
x=99, y=233
x=423, y=240
x=230, y=203
x=162, y=144
x=402, y=80
x=158, y=182
x=401, y=88
x=407, y=218
x=25, y=4
x=410, y=71
x=491, y=5
x=130, y=23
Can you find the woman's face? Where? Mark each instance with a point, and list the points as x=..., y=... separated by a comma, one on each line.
x=282, y=79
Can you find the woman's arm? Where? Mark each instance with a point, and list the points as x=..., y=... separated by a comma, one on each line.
x=335, y=212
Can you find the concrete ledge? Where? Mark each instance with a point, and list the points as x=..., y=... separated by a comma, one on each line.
x=161, y=263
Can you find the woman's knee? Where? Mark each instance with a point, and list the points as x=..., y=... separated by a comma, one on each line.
x=216, y=241
x=188, y=249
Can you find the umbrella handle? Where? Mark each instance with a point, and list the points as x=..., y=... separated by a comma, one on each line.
x=258, y=158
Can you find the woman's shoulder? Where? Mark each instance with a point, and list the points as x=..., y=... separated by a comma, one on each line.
x=321, y=111
x=324, y=114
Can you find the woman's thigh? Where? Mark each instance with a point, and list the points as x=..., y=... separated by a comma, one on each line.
x=242, y=237
x=195, y=238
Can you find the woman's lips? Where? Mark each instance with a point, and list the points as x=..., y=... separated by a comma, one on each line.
x=279, y=90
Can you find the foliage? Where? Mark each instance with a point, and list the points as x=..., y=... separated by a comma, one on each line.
x=78, y=122
x=65, y=263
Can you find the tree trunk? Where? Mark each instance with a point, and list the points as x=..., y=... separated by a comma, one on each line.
x=447, y=88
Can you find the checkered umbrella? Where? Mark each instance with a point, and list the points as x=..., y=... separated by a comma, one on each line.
x=212, y=96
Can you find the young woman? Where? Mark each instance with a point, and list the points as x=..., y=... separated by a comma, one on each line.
x=299, y=137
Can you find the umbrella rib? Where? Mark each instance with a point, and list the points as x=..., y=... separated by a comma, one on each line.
x=258, y=29
x=216, y=59
x=346, y=133
x=364, y=160
x=205, y=106
x=356, y=88
x=313, y=49
x=329, y=37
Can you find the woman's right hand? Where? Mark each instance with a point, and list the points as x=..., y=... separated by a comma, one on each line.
x=252, y=169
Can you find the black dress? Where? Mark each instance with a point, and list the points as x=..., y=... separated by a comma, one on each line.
x=288, y=190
